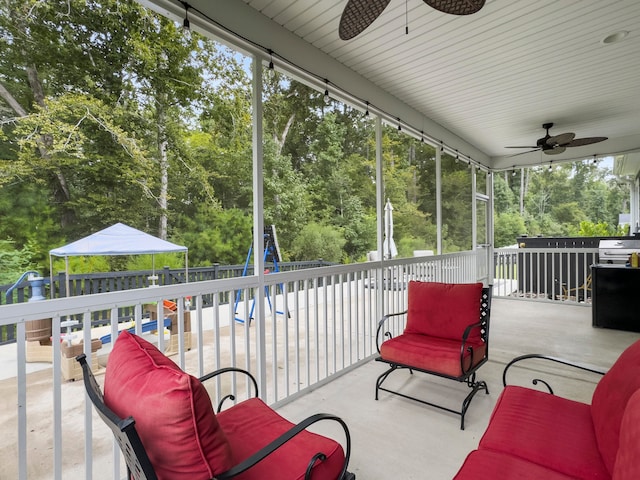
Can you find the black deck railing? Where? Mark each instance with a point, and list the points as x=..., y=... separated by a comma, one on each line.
x=91, y=283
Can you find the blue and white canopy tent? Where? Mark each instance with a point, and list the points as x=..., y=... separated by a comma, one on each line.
x=118, y=239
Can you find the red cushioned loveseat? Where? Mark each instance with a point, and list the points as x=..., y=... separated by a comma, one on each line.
x=537, y=435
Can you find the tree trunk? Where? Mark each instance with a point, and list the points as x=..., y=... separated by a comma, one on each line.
x=285, y=131
x=12, y=102
x=62, y=194
x=524, y=187
x=164, y=172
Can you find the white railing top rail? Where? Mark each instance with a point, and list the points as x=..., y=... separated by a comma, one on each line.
x=21, y=312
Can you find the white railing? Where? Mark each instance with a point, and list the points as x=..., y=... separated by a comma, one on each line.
x=545, y=274
x=308, y=326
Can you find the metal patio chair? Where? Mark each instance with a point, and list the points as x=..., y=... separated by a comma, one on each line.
x=446, y=335
x=248, y=440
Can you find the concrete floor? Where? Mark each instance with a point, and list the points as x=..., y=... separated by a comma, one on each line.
x=399, y=438
x=392, y=437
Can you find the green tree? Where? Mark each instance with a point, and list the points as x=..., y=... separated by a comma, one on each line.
x=165, y=81
x=508, y=226
x=222, y=145
x=601, y=229
x=14, y=262
x=456, y=205
x=51, y=49
x=504, y=199
x=316, y=242
x=286, y=200
x=568, y=214
x=214, y=235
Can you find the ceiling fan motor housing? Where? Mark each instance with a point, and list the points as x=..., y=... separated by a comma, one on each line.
x=542, y=142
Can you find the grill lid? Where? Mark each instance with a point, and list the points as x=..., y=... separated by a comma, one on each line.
x=617, y=250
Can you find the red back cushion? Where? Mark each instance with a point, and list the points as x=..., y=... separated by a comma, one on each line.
x=610, y=399
x=627, y=466
x=444, y=310
x=172, y=411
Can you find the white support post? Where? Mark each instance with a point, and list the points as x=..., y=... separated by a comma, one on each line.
x=439, y=200
x=21, y=379
x=379, y=213
x=474, y=211
x=490, y=224
x=258, y=223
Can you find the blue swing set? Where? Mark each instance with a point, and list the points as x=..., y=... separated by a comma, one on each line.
x=271, y=254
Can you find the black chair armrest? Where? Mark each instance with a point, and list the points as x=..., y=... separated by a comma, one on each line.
x=284, y=438
x=463, y=347
x=381, y=325
x=215, y=373
x=467, y=331
x=562, y=361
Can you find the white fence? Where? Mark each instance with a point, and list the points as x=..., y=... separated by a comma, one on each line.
x=545, y=274
x=308, y=326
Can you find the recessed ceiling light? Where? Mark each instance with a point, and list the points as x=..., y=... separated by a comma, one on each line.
x=615, y=37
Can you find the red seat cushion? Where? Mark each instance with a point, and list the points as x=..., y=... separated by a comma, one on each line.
x=610, y=399
x=250, y=425
x=430, y=353
x=545, y=429
x=444, y=309
x=627, y=466
x=172, y=410
x=490, y=465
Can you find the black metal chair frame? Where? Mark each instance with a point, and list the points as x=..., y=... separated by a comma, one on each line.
x=468, y=376
x=548, y=358
x=139, y=466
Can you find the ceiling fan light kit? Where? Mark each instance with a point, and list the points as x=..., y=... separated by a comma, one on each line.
x=556, y=144
x=359, y=14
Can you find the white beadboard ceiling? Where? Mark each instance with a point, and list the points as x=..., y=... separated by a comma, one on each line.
x=492, y=78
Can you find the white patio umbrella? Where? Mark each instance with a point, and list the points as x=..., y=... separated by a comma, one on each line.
x=389, y=249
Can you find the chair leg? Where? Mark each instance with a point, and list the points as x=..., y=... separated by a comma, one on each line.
x=383, y=377
x=475, y=388
x=471, y=382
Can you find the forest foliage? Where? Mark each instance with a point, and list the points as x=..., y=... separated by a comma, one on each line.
x=111, y=113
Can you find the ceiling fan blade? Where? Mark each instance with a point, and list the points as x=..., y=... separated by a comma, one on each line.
x=578, y=142
x=522, y=153
x=526, y=146
x=555, y=151
x=358, y=15
x=562, y=139
x=456, y=7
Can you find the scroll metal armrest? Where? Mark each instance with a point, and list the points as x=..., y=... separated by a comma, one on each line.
x=548, y=358
x=215, y=373
x=463, y=346
x=467, y=331
x=381, y=324
x=284, y=438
